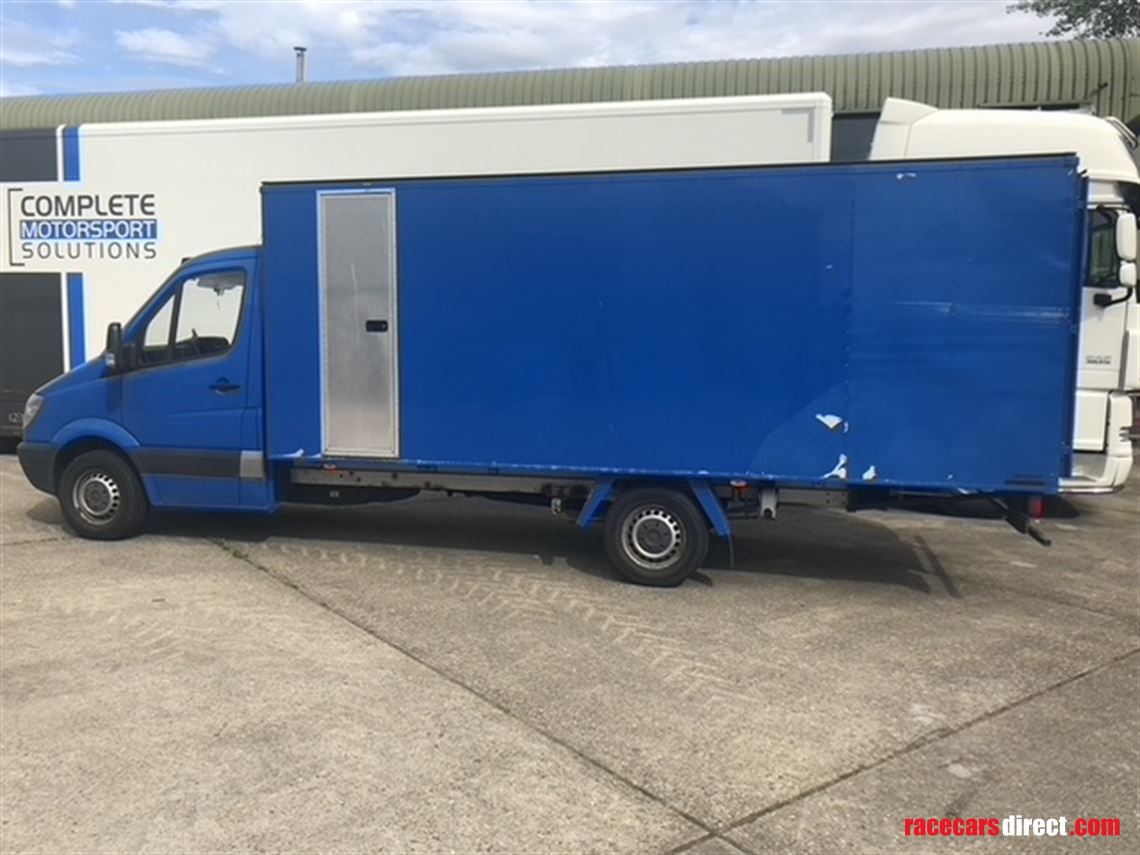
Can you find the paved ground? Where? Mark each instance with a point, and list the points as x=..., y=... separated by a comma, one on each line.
x=451, y=675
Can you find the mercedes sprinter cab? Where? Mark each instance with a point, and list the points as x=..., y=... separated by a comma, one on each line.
x=193, y=435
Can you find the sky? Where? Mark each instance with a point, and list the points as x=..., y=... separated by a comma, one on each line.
x=55, y=46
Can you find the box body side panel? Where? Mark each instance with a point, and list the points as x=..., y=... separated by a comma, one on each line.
x=642, y=329
x=291, y=310
x=762, y=324
x=964, y=295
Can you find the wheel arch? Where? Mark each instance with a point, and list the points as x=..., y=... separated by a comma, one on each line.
x=88, y=435
x=699, y=490
x=100, y=492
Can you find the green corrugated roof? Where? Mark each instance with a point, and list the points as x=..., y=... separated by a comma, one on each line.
x=1105, y=73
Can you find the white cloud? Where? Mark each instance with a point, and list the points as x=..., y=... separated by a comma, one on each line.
x=26, y=46
x=175, y=5
x=30, y=57
x=504, y=35
x=417, y=37
x=159, y=45
x=15, y=90
x=251, y=40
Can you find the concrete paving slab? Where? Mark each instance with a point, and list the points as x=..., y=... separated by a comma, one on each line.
x=1093, y=564
x=713, y=846
x=1072, y=752
x=25, y=514
x=838, y=643
x=833, y=648
x=162, y=696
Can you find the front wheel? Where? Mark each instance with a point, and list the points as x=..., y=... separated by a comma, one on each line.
x=656, y=536
x=101, y=496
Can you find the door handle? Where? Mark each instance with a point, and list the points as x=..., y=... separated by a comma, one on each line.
x=376, y=326
x=223, y=386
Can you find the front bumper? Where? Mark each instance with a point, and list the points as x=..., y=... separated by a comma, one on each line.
x=1097, y=473
x=37, y=459
x=1107, y=470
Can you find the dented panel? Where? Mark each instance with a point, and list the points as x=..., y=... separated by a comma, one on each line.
x=819, y=326
x=961, y=338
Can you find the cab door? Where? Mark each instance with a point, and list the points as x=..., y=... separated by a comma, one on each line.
x=187, y=395
x=1104, y=313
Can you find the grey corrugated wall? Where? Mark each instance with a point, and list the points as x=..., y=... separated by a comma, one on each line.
x=1102, y=73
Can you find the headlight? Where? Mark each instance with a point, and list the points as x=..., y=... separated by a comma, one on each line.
x=32, y=408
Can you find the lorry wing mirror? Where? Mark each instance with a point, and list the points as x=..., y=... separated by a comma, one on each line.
x=1126, y=237
x=113, y=355
x=1126, y=276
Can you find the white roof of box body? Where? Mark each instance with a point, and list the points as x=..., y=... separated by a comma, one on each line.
x=739, y=130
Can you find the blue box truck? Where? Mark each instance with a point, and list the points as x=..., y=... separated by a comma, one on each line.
x=663, y=351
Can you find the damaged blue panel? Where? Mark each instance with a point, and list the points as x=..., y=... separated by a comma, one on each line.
x=965, y=289
x=817, y=325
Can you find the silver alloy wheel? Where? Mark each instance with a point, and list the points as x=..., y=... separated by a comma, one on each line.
x=653, y=538
x=96, y=497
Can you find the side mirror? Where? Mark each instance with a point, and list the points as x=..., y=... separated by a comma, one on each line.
x=113, y=355
x=1126, y=237
x=1126, y=276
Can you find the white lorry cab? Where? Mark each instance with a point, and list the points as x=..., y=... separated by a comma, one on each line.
x=1108, y=364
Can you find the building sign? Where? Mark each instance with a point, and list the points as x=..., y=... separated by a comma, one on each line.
x=65, y=226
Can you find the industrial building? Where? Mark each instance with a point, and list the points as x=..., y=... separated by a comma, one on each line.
x=1102, y=76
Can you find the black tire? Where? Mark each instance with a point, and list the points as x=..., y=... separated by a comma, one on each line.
x=656, y=536
x=101, y=496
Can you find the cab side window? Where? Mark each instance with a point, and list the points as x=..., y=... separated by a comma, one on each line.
x=208, y=314
x=156, y=338
x=1103, y=259
x=200, y=319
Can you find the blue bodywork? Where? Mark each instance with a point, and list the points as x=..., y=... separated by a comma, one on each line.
x=182, y=434
x=806, y=325
x=873, y=325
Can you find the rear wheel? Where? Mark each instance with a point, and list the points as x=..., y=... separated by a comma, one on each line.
x=656, y=536
x=102, y=497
